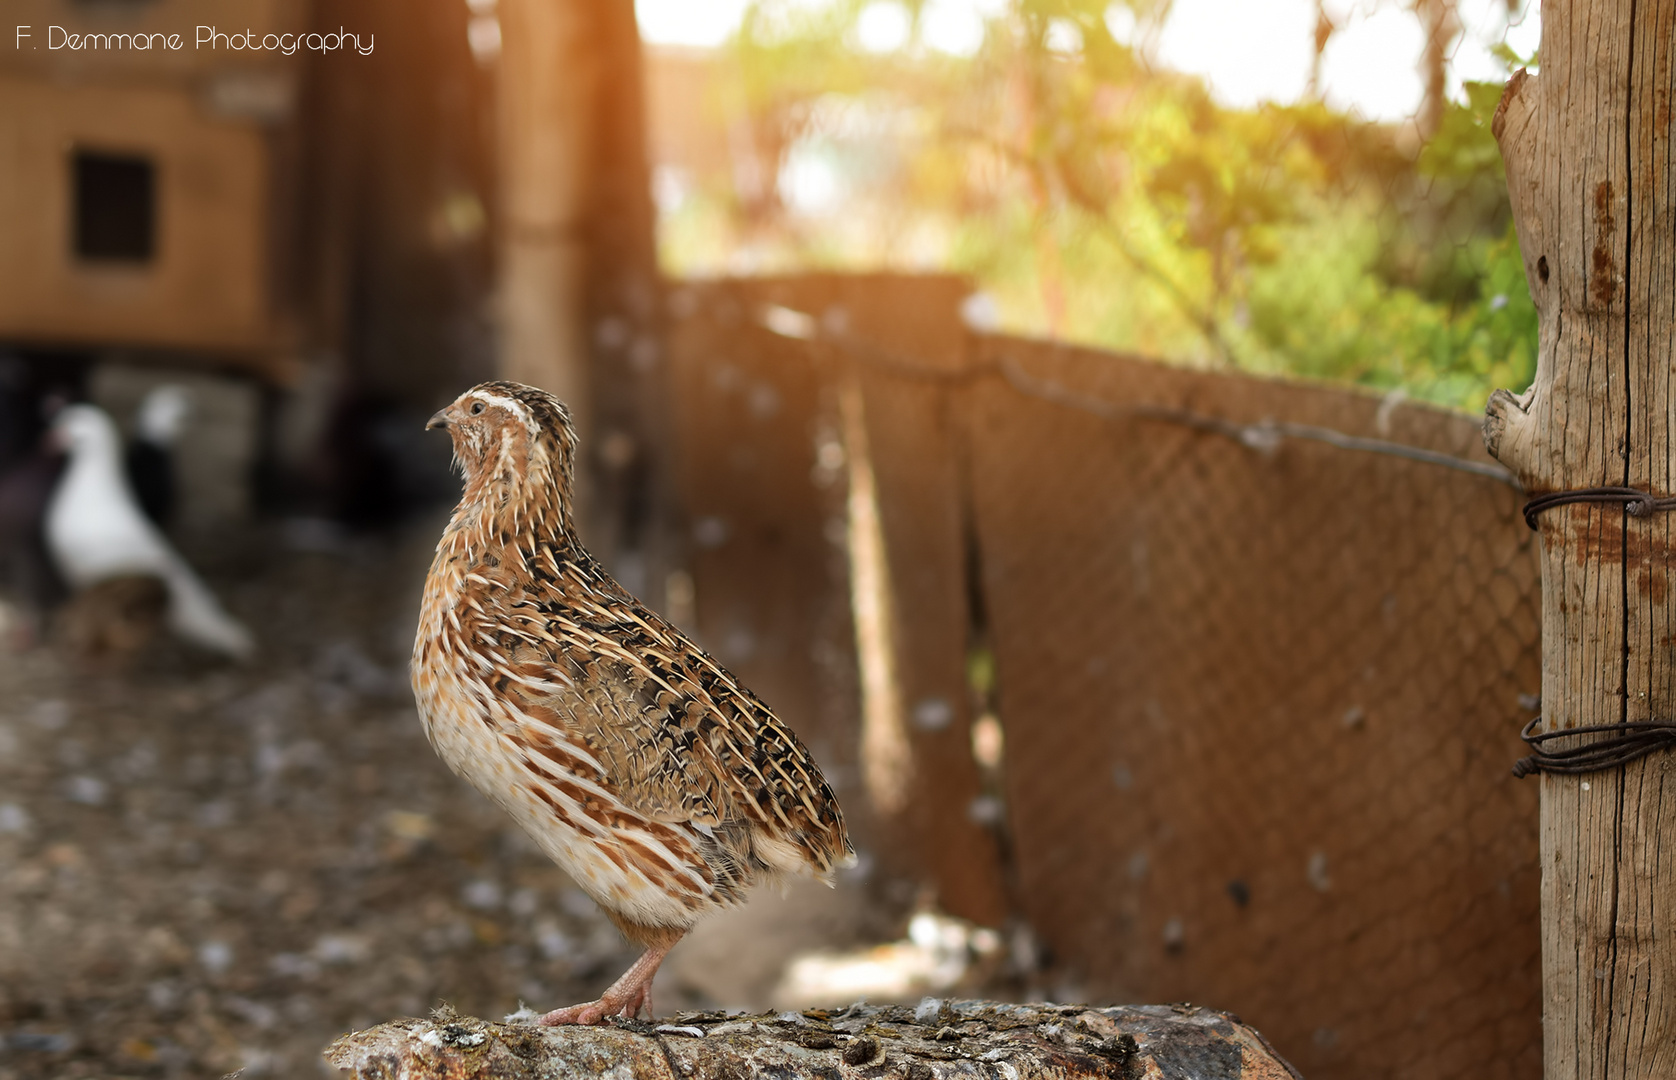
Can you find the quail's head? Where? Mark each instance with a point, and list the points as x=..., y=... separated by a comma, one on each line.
x=512, y=434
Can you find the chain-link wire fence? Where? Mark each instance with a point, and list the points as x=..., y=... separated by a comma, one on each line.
x=1260, y=707
x=1258, y=669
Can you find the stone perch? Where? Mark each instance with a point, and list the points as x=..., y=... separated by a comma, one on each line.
x=939, y=1040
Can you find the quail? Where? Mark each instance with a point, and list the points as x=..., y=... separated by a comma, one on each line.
x=664, y=787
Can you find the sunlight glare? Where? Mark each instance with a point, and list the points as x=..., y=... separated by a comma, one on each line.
x=700, y=23
x=1525, y=33
x=1063, y=37
x=882, y=26
x=809, y=181
x=1485, y=24
x=1120, y=23
x=1248, y=52
x=1372, y=66
x=952, y=26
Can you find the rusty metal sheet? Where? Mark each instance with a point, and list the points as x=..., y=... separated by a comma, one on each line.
x=751, y=410
x=913, y=323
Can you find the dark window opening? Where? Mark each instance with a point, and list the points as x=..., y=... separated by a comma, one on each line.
x=116, y=207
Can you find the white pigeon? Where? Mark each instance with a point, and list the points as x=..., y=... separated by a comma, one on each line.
x=95, y=531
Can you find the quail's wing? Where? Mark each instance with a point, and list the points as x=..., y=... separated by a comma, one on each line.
x=678, y=739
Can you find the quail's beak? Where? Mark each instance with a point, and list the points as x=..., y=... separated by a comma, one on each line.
x=439, y=419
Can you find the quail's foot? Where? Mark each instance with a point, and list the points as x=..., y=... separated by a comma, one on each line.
x=625, y=997
x=619, y=1000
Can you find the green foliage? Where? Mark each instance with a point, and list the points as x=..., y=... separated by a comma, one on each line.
x=1324, y=311
x=1101, y=199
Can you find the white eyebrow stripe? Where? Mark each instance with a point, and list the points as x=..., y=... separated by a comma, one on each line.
x=516, y=406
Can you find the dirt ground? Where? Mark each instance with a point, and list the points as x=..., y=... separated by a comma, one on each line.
x=207, y=867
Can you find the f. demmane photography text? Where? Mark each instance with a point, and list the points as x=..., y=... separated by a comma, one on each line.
x=204, y=37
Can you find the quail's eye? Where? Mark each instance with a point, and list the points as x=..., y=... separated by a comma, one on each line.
x=476, y=407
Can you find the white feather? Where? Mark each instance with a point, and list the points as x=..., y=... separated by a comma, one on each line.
x=96, y=531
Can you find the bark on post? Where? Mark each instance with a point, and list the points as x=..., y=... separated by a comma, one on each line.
x=1587, y=147
x=939, y=1040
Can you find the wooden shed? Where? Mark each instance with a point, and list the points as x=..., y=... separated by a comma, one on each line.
x=138, y=200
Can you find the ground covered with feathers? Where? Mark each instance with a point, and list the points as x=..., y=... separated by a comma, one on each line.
x=207, y=867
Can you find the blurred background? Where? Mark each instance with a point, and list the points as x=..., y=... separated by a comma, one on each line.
x=1063, y=412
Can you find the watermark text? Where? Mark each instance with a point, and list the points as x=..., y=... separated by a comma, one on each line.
x=210, y=38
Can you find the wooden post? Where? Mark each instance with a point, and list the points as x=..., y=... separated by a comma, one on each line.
x=1587, y=145
x=582, y=303
x=634, y=522
x=548, y=82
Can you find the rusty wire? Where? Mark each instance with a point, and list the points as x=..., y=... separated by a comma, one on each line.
x=1637, y=503
x=1629, y=740
x=1264, y=436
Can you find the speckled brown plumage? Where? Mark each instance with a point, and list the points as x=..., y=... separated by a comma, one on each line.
x=640, y=765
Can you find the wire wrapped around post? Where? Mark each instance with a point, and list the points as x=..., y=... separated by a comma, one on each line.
x=1628, y=741
x=1636, y=502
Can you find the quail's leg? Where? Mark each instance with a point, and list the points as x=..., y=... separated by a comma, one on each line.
x=625, y=997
